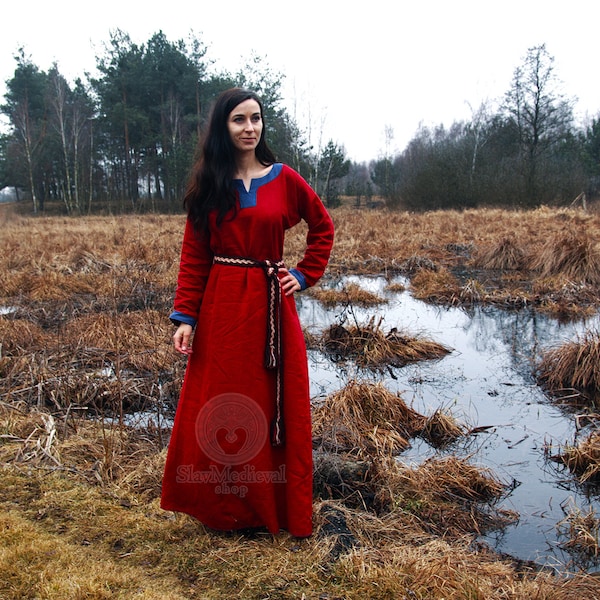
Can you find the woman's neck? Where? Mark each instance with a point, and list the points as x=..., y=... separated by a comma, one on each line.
x=247, y=164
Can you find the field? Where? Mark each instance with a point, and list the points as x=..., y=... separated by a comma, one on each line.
x=86, y=342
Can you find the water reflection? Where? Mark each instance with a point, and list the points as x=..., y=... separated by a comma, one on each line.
x=485, y=381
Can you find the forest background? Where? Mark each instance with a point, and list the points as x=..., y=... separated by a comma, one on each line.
x=124, y=141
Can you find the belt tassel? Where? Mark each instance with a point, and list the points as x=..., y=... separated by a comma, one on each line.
x=272, y=358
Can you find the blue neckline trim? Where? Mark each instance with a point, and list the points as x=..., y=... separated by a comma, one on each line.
x=248, y=198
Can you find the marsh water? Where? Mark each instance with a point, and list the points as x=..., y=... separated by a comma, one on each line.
x=486, y=381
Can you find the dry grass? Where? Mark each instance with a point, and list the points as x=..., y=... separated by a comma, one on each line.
x=388, y=500
x=134, y=259
x=573, y=254
x=37, y=563
x=440, y=286
x=84, y=329
x=365, y=420
x=442, y=496
x=581, y=530
x=441, y=429
x=53, y=519
x=370, y=346
x=573, y=365
x=434, y=248
x=563, y=298
x=98, y=452
x=65, y=540
x=582, y=458
x=506, y=255
x=350, y=294
x=395, y=287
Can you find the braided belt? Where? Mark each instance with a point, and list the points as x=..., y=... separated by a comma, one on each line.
x=273, y=345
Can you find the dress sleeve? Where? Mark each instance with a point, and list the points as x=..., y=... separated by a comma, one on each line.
x=319, y=239
x=194, y=268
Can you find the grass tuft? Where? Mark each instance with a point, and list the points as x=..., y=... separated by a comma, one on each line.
x=582, y=459
x=505, y=255
x=441, y=429
x=573, y=365
x=365, y=419
x=370, y=346
x=573, y=254
x=581, y=531
x=350, y=294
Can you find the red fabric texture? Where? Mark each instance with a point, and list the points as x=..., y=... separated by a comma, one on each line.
x=221, y=467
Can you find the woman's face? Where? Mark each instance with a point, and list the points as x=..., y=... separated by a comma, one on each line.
x=245, y=125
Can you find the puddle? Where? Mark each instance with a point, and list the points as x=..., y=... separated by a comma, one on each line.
x=485, y=381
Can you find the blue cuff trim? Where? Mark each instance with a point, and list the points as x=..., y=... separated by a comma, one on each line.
x=177, y=318
x=301, y=279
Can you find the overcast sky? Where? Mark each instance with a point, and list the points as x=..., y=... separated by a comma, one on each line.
x=352, y=69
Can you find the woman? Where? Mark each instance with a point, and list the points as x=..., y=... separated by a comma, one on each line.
x=240, y=454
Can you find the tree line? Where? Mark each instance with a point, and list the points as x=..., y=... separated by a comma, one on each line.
x=124, y=139
x=525, y=152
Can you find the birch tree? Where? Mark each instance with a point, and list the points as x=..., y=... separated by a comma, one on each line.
x=26, y=111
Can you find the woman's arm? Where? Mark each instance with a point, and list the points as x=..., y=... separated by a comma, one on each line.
x=194, y=269
x=319, y=239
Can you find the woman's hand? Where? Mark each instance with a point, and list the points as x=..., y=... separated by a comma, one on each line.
x=182, y=339
x=289, y=284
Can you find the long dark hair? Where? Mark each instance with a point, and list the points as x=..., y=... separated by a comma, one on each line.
x=210, y=185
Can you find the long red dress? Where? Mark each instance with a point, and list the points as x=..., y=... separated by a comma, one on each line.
x=222, y=465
